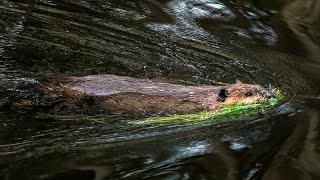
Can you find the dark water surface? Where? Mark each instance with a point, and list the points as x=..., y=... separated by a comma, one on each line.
x=183, y=41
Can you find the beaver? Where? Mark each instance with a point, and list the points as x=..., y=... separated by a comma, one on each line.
x=130, y=96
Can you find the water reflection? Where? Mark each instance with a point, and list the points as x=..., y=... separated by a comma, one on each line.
x=297, y=157
x=203, y=21
x=100, y=171
x=185, y=13
x=302, y=18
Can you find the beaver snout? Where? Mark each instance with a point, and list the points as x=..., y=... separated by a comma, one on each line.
x=269, y=94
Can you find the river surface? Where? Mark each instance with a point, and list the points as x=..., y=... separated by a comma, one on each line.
x=195, y=42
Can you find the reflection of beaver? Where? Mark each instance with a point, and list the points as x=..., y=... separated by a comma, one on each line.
x=125, y=95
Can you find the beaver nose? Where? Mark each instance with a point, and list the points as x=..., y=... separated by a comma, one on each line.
x=270, y=94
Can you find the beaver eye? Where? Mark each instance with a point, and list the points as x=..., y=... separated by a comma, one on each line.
x=223, y=94
x=248, y=94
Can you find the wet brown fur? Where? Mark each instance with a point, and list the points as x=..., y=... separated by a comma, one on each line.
x=125, y=95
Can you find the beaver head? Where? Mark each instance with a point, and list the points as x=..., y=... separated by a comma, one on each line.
x=243, y=93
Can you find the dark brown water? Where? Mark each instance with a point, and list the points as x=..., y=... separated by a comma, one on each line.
x=183, y=41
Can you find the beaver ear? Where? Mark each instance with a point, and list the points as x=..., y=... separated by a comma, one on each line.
x=238, y=82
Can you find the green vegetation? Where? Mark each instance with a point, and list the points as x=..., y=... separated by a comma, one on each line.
x=221, y=114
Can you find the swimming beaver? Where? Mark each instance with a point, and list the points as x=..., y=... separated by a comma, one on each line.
x=124, y=95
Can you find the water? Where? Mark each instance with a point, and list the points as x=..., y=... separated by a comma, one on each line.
x=186, y=42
